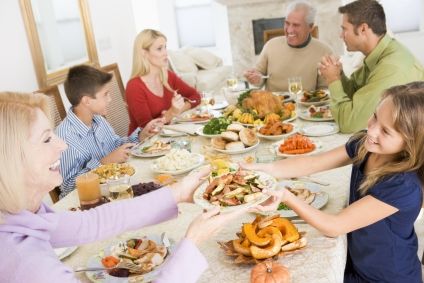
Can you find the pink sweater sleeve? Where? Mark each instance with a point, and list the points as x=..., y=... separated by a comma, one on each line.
x=185, y=265
x=75, y=228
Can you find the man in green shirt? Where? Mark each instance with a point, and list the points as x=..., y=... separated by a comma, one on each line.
x=387, y=63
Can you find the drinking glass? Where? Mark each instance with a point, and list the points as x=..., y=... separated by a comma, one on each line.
x=295, y=86
x=232, y=82
x=88, y=188
x=264, y=154
x=120, y=188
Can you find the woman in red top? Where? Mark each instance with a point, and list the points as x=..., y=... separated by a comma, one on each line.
x=153, y=90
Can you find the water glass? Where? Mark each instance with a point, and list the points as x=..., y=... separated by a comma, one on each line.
x=88, y=188
x=120, y=188
x=264, y=154
x=182, y=144
x=232, y=82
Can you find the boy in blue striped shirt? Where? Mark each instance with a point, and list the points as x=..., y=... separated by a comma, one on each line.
x=91, y=139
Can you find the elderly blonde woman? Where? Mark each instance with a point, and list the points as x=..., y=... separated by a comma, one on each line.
x=153, y=90
x=29, y=230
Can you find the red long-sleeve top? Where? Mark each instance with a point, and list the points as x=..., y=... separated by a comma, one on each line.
x=144, y=106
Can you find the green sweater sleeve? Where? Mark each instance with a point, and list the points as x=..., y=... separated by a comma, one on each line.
x=352, y=112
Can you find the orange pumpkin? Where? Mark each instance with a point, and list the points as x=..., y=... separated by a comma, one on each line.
x=269, y=272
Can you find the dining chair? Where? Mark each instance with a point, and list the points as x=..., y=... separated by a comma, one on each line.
x=57, y=114
x=56, y=107
x=270, y=33
x=117, y=114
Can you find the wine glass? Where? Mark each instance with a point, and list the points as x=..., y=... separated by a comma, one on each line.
x=232, y=82
x=295, y=86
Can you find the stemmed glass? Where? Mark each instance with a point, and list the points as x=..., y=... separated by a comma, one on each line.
x=295, y=86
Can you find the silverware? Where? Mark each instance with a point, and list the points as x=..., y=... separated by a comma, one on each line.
x=122, y=264
x=165, y=242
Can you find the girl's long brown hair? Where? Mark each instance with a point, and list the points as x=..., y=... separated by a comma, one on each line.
x=408, y=116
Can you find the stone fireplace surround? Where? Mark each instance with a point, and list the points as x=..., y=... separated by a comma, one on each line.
x=242, y=12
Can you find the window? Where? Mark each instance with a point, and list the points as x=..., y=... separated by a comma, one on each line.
x=195, y=23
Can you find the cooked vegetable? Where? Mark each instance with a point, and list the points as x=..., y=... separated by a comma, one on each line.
x=216, y=126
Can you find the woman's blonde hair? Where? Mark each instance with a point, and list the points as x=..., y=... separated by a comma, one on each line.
x=408, y=102
x=17, y=113
x=141, y=65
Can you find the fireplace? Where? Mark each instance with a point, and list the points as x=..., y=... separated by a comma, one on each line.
x=259, y=26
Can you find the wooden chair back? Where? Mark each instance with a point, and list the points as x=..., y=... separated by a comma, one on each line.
x=270, y=33
x=57, y=114
x=56, y=107
x=117, y=114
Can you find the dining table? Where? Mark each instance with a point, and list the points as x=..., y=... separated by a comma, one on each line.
x=321, y=260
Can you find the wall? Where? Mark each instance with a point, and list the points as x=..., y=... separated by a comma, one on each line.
x=114, y=30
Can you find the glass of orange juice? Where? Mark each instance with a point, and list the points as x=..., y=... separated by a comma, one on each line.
x=88, y=187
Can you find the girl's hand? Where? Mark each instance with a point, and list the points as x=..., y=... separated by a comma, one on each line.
x=209, y=223
x=183, y=190
x=273, y=202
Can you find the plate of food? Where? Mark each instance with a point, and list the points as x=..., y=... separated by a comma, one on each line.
x=267, y=237
x=316, y=97
x=308, y=192
x=276, y=130
x=234, y=190
x=214, y=127
x=197, y=116
x=171, y=133
x=152, y=149
x=236, y=139
x=146, y=255
x=113, y=171
x=320, y=130
x=317, y=114
x=177, y=161
x=65, y=252
x=296, y=145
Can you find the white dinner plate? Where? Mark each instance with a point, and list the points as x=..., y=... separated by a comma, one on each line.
x=199, y=131
x=278, y=137
x=200, y=159
x=65, y=252
x=219, y=105
x=320, y=130
x=171, y=133
x=137, y=150
x=321, y=198
x=238, y=151
x=104, y=277
x=185, y=117
x=285, y=94
x=269, y=181
x=316, y=103
x=304, y=114
x=318, y=148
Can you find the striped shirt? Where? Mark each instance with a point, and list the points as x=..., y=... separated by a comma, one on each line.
x=86, y=146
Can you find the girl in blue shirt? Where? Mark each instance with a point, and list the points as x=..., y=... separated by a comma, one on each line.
x=385, y=190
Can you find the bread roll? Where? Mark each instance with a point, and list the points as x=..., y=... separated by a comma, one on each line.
x=248, y=137
x=218, y=143
x=230, y=136
x=235, y=127
x=234, y=145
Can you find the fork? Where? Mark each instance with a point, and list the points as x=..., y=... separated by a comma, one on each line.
x=122, y=264
x=185, y=98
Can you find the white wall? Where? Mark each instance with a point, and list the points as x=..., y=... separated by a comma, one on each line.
x=114, y=31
